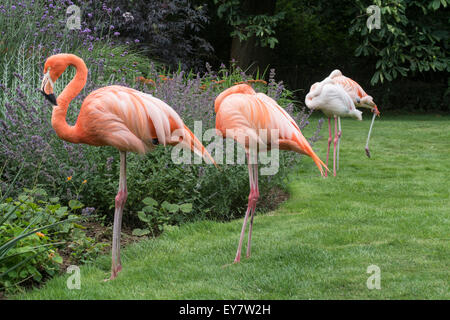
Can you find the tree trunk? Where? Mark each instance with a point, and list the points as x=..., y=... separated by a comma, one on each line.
x=249, y=54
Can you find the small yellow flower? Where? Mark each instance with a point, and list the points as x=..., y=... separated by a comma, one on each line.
x=40, y=234
x=84, y=181
x=69, y=178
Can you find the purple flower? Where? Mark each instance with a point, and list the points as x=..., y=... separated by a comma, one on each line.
x=109, y=162
x=136, y=40
x=117, y=33
x=87, y=211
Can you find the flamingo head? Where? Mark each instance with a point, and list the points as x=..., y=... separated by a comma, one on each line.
x=53, y=68
x=367, y=102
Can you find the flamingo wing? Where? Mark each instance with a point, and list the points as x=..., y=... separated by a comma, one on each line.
x=131, y=120
x=356, y=92
x=243, y=112
x=332, y=99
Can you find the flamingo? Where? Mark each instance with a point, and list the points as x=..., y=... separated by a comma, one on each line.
x=340, y=103
x=247, y=116
x=127, y=119
x=360, y=98
x=334, y=101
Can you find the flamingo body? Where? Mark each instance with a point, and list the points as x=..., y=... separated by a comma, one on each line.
x=360, y=98
x=241, y=112
x=130, y=121
x=332, y=100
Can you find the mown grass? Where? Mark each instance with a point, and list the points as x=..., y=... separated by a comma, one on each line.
x=391, y=210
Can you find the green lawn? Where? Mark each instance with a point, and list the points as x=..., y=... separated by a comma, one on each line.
x=391, y=210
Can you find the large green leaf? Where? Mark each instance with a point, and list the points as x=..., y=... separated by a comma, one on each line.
x=75, y=204
x=186, y=207
x=142, y=216
x=150, y=201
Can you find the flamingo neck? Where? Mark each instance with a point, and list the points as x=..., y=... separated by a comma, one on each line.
x=59, y=123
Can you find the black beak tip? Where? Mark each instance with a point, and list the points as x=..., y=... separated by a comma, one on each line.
x=155, y=142
x=367, y=152
x=50, y=97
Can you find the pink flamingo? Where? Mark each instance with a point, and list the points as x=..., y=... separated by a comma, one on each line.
x=124, y=118
x=340, y=103
x=334, y=102
x=247, y=117
x=360, y=98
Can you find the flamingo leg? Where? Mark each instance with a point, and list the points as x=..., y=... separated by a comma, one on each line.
x=249, y=208
x=120, y=200
x=329, y=143
x=255, y=199
x=339, y=140
x=334, y=146
x=368, y=137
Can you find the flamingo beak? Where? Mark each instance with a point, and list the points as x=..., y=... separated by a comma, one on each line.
x=367, y=151
x=375, y=110
x=47, y=88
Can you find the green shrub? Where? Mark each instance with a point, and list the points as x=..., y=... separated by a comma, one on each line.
x=33, y=229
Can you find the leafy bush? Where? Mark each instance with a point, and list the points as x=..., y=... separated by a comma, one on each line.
x=411, y=38
x=32, y=227
x=215, y=194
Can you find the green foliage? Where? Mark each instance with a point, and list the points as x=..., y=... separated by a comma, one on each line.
x=32, y=227
x=414, y=37
x=157, y=217
x=262, y=26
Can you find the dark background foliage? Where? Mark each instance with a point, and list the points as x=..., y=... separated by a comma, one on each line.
x=316, y=37
x=166, y=30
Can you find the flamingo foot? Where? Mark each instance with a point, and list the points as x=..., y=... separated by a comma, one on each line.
x=114, y=272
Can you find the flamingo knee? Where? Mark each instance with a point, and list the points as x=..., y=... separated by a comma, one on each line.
x=121, y=198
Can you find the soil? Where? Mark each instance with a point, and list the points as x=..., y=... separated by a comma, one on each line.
x=273, y=199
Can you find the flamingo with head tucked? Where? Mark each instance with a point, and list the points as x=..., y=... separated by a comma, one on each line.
x=360, y=98
x=117, y=116
x=342, y=101
x=334, y=102
x=257, y=122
